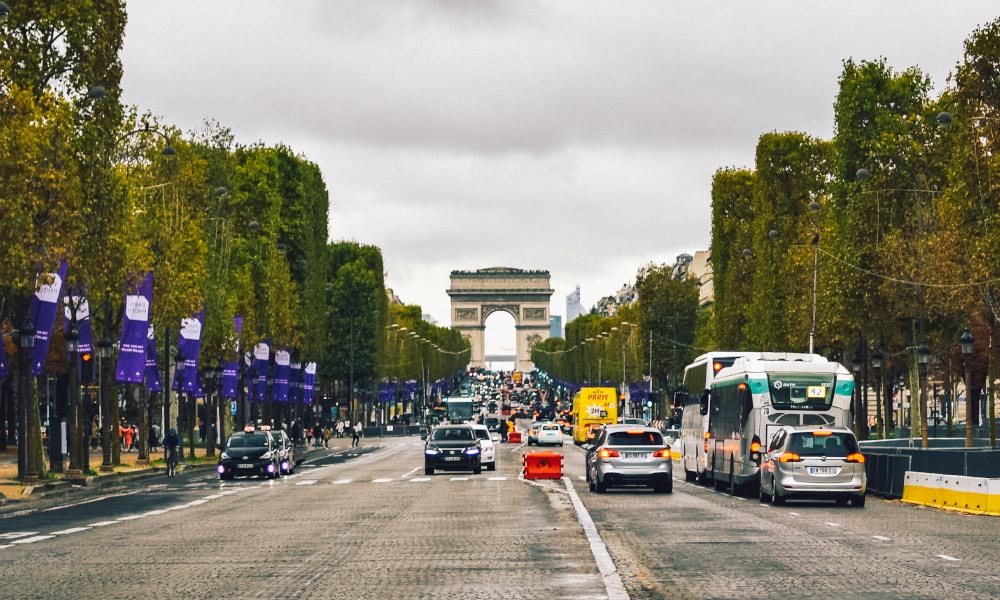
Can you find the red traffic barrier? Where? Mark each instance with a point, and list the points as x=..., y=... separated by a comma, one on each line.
x=544, y=464
x=514, y=437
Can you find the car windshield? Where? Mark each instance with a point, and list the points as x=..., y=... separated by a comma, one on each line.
x=482, y=434
x=247, y=441
x=635, y=438
x=456, y=434
x=805, y=391
x=835, y=444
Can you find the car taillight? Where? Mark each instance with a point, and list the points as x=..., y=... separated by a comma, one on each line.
x=790, y=457
x=662, y=453
x=755, y=447
x=857, y=457
x=607, y=453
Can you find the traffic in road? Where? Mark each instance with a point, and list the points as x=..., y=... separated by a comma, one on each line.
x=368, y=523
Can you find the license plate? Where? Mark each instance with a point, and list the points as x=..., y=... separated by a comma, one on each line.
x=453, y=458
x=635, y=455
x=822, y=470
x=245, y=466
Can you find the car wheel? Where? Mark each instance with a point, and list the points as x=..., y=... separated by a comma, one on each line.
x=428, y=470
x=225, y=477
x=664, y=488
x=590, y=485
x=858, y=501
x=600, y=487
x=763, y=497
x=477, y=470
x=689, y=475
x=491, y=466
x=776, y=498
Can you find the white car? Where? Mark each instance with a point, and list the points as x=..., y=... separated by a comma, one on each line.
x=548, y=433
x=489, y=450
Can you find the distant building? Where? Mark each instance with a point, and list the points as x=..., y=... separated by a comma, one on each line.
x=555, y=326
x=698, y=267
x=573, y=306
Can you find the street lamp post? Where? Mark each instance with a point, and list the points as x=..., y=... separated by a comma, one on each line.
x=27, y=471
x=104, y=352
x=877, y=361
x=859, y=419
x=967, y=342
x=923, y=356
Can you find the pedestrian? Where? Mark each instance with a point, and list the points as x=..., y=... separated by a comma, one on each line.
x=95, y=433
x=326, y=437
x=121, y=434
x=356, y=435
x=154, y=437
x=503, y=431
x=126, y=432
x=317, y=434
x=340, y=429
x=135, y=436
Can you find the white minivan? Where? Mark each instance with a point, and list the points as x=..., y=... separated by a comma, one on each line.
x=489, y=450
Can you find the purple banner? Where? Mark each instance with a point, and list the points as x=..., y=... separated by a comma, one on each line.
x=295, y=383
x=44, y=304
x=153, y=383
x=282, y=366
x=135, y=327
x=308, y=383
x=261, y=360
x=189, y=342
x=230, y=370
x=76, y=307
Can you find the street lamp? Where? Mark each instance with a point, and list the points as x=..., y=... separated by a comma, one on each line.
x=4, y=11
x=877, y=361
x=967, y=342
x=76, y=467
x=923, y=356
x=104, y=352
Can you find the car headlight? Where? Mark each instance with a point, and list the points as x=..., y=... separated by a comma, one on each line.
x=225, y=456
x=472, y=451
x=431, y=451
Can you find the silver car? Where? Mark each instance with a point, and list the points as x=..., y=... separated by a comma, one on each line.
x=629, y=455
x=813, y=462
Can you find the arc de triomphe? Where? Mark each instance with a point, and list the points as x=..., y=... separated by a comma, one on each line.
x=475, y=295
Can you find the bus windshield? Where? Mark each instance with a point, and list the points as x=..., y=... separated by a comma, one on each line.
x=801, y=391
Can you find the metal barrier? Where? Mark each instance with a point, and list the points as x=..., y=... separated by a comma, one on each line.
x=886, y=467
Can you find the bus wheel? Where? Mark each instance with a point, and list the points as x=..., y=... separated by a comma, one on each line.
x=690, y=475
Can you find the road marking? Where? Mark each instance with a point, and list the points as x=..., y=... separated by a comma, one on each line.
x=196, y=502
x=103, y=523
x=228, y=492
x=881, y=538
x=941, y=556
x=306, y=482
x=381, y=480
x=16, y=534
x=609, y=573
x=420, y=479
x=459, y=479
x=833, y=524
x=342, y=481
x=153, y=513
x=410, y=472
x=69, y=531
x=582, y=477
x=38, y=538
x=177, y=507
x=213, y=496
x=794, y=514
x=130, y=518
x=498, y=479
x=6, y=546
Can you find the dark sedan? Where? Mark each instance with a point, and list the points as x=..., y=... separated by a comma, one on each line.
x=452, y=448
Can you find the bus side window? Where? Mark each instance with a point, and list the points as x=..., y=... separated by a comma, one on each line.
x=703, y=407
x=747, y=406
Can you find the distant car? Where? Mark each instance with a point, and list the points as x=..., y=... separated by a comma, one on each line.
x=533, y=432
x=492, y=423
x=452, y=447
x=813, y=462
x=489, y=450
x=249, y=452
x=633, y=421
x=285, y=448
x=623, y=455
x=549, y=433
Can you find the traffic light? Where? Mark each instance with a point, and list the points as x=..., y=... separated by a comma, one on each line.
x=86, y=367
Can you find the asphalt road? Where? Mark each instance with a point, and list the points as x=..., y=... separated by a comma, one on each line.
x=367, y=523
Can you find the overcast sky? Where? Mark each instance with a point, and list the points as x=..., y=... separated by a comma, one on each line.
x=576, y=137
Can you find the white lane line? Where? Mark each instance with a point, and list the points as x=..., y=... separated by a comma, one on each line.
x=498, y=479
x=881, y=538
x=13, y=535
x=342, y=481
x=228, y=492
x=103, y=523
x=609, y=573
x=177, y=507
x=69, y=531
x=459, y=479
x=6, y=546
x=32, y=540
x=582, y=477
x=941, y=556
x=410, y=472
x=153, y=513
x=794, y=514
x=197, y=502
x=213, y=496
x=833, y=524
x=130, y=518
x=381, y=480
x=306, y=482
x=416, y=479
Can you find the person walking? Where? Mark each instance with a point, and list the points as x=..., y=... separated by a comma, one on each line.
x=126, y=432
x=503, y=431
x=340, y=429
x=154, y=437
x=356, y=435
x=326, y=437
x=171, y=441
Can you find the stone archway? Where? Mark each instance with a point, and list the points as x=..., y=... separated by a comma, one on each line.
x=475, y=295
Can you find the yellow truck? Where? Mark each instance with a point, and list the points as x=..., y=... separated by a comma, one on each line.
x=593, y=407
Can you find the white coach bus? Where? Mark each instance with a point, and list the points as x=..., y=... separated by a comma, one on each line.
x=761, y=392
